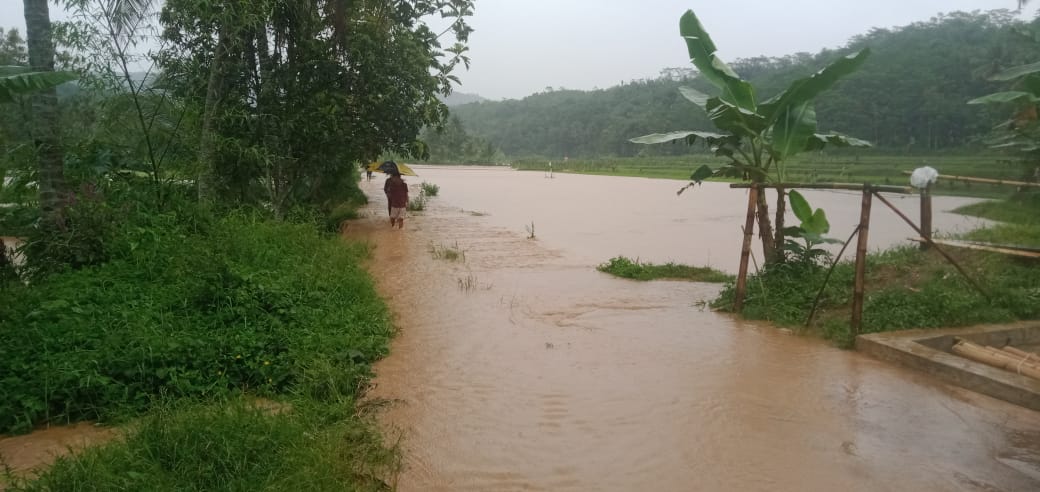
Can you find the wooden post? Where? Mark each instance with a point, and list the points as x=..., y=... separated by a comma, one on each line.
x=745, y=252
x=861, y=261
x=926, y=217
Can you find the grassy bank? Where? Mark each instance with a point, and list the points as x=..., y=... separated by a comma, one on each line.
x=623, y=267
x=909, y=288
x=183, y=325
x=878, y=169
x=233, y=446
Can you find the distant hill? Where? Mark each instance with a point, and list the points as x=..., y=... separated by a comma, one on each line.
x=910, y=96
x=460, y=98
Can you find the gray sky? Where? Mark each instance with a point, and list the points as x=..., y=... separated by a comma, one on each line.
x=522, y=46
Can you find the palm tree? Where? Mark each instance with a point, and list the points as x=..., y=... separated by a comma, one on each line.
x=50, y=175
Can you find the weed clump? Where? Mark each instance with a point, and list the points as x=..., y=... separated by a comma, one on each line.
x=429, y=189
x=624, y=267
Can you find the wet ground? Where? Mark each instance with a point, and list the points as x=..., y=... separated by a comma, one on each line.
x=22, y=454
x=522, y=368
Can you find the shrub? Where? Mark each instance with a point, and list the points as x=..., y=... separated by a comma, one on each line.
x=430, y=189
x=241, y=305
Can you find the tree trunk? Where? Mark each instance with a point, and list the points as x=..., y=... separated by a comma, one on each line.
x=765, y=226
x=45, y=129
x=778, y=242
x=214, y=93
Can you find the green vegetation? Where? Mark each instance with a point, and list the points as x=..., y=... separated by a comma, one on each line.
x=429, y=189
x=909, y=97
x=417, y=204
x=835, y=167
x=1019, y=217
x=451, y=144
x=909, y=288
x=906, y=288
x=234, y=445
x=177, y=275
x=621, y=266
x=758, y=136
x=236, y=305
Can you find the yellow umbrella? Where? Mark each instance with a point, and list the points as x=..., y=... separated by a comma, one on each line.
x=390, y=165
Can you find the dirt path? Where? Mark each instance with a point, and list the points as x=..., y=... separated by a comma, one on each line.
x=521, y=368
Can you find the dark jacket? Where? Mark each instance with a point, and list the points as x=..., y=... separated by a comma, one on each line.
x=397, y=192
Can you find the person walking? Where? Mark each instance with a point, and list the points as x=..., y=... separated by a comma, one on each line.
x=397, y=196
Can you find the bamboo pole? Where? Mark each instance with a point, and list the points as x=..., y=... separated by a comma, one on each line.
x=1021, y=353
x=827, y=278
x=1020, y=361
x=970, y=179
x=745, y=252
x=826, y=186
x=926, y=217
x=932, y=244
x=861, y=262
x=978, y=353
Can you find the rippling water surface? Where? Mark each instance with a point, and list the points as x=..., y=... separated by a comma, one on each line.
x=522, y=368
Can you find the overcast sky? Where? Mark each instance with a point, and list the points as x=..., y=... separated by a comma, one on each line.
x=522, y=46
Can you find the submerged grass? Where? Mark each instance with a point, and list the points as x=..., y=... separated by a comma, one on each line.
x=621, y=266
x=448, y=252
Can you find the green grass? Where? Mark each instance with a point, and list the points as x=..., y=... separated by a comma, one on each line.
x=833, y=167
x=1020, y=217
x=621, y=266
x=905, y=288
x=233, y=446
x=185, y=325
x=246, y=306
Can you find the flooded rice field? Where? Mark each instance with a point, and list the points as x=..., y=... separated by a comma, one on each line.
x=520, y=367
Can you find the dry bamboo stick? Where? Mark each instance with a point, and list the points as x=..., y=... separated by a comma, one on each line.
x=978, y=353
x=1021, y=353
x=1018, y=360
x=972, y=179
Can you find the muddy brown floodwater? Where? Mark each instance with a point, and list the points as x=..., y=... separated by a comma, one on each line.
x=522, y=368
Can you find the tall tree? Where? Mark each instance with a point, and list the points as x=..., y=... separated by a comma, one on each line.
x=50, y=174
x=295, y=93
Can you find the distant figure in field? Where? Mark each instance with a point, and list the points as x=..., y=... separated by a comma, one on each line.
x=397, y=196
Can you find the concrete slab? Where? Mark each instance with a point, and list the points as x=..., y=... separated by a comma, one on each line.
x=929, y=351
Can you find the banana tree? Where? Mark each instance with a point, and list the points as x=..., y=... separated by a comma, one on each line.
x=1021, y=133
x=755, y=138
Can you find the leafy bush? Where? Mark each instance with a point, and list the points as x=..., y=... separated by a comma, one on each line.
x=430, y=189
x=189, y=309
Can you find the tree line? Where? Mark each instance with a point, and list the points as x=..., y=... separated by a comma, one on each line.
x=909, y=97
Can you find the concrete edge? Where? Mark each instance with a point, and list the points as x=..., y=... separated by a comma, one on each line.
x=903, y=349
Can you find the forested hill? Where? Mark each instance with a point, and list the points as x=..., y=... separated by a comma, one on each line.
x=910, y=95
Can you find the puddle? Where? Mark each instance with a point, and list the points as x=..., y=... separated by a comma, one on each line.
x=558, y=377
x=40, y=448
